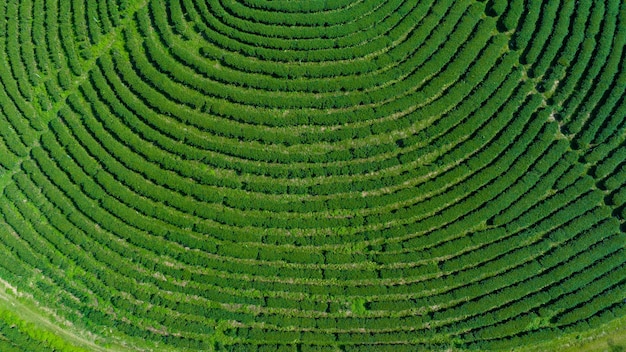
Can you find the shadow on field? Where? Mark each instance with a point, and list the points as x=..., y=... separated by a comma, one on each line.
x=615, y=347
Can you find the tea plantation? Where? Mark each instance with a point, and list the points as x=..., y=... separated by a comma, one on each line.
x=311, y=175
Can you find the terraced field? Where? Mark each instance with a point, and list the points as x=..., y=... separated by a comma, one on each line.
x=346, y=175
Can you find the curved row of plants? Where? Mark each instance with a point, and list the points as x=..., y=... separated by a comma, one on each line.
x=255, y=175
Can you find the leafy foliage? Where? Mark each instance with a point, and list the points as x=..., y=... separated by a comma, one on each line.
x=313, y=175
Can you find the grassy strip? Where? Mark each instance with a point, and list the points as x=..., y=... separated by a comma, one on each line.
x=608, y=337
x=33, y=322
x=50, y=332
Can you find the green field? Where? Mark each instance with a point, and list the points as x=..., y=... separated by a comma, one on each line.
x=312, y=175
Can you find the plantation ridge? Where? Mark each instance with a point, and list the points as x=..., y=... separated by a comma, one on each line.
x=312, y=175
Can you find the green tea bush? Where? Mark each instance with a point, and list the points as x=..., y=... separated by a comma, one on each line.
x=310, y=175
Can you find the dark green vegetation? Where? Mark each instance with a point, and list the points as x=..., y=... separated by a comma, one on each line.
x=347, y=175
